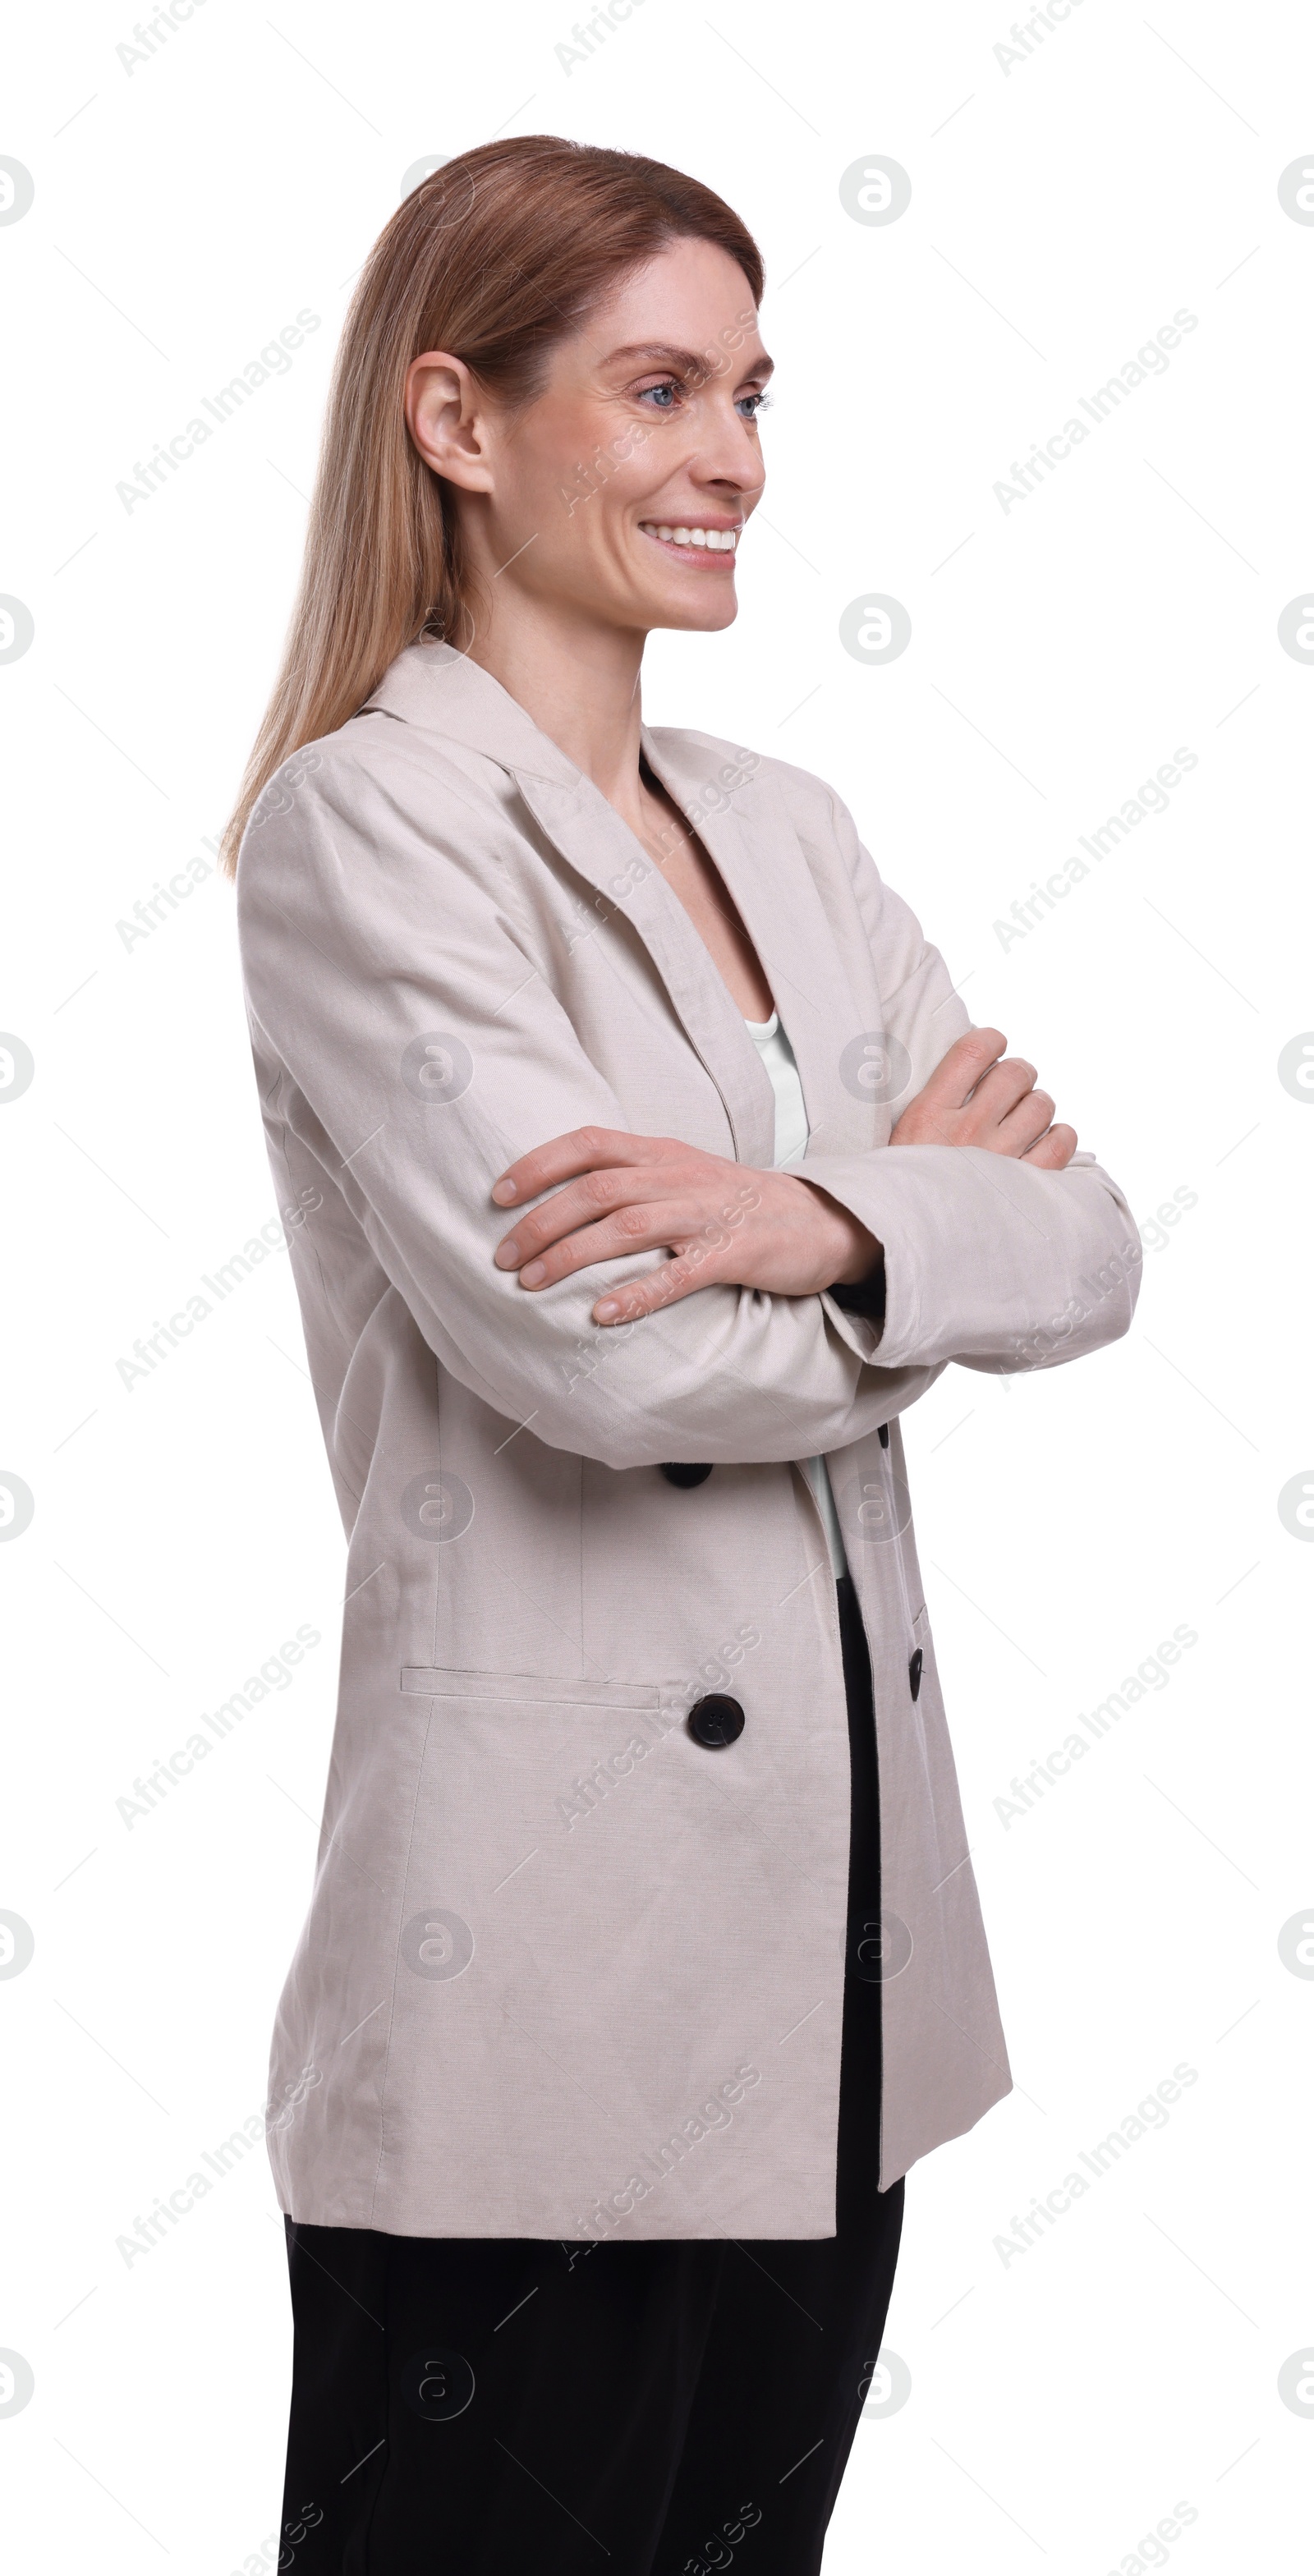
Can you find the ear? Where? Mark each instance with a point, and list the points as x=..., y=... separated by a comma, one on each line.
x=448, y=420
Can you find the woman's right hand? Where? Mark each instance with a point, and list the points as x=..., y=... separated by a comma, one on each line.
x=980, y=1096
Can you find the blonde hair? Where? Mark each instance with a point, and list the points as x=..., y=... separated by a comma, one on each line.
x=495, y=257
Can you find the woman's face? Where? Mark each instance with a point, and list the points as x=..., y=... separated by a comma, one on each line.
x=623, y=489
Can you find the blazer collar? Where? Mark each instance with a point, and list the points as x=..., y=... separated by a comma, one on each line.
x=738, y=813
x=443, y=691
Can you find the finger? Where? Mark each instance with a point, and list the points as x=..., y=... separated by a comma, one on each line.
x=654, y=1226
x=1054, y=1150
x=688, y=1270
x=958, y=1072
x=1025, y=1125
x=581, y=1149
x=1000, y=1092
x=640, y=1229
x=593, y=1196
x=607, y=1214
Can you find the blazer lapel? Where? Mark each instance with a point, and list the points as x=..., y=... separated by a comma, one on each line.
x=601, y=848
x=741, y=817
x=441, y=691
x=742, y=821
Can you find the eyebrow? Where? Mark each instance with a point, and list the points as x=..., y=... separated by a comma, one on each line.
x=684, y=361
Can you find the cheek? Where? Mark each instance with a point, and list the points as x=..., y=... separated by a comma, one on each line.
x=575, y=505
x=626, y=477
x=570, y=448
x=591, y=528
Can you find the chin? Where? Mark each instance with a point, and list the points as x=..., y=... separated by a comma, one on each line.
x=696, y=616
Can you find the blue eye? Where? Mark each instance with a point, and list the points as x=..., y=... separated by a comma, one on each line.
x=668, y=392
x=759, y=403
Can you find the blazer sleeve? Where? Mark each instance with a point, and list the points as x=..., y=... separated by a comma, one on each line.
x=406, y=1036
x=988, y=1261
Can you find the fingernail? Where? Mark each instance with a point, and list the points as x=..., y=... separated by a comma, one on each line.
x=531, y=1274
x=507, y=1255
x=605, y=1308
x=504, y=1192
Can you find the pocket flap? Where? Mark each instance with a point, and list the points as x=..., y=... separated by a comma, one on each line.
x=439, y=1681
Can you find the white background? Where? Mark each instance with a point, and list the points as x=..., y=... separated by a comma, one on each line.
x=1063, y=207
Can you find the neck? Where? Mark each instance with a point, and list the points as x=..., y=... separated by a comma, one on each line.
x=578, y=679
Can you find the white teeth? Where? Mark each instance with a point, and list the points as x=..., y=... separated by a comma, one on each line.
x=719, y=540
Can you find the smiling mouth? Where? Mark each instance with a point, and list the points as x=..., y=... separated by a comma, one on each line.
x=701, y=546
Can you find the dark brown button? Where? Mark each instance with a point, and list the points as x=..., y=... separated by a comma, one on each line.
x=715, y=1721
x=915, y=1673
x=883, y=1435
x=678, y=1474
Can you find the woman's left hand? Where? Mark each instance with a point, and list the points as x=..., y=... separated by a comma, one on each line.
x=723, y=1223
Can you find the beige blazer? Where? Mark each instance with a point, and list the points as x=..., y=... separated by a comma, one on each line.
x=569, y=1971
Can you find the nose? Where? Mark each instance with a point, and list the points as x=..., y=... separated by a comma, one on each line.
x=729, y=453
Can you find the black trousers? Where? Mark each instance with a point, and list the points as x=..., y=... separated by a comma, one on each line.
x=512, y=2407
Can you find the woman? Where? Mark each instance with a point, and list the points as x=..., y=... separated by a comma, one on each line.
x=619, y=2015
